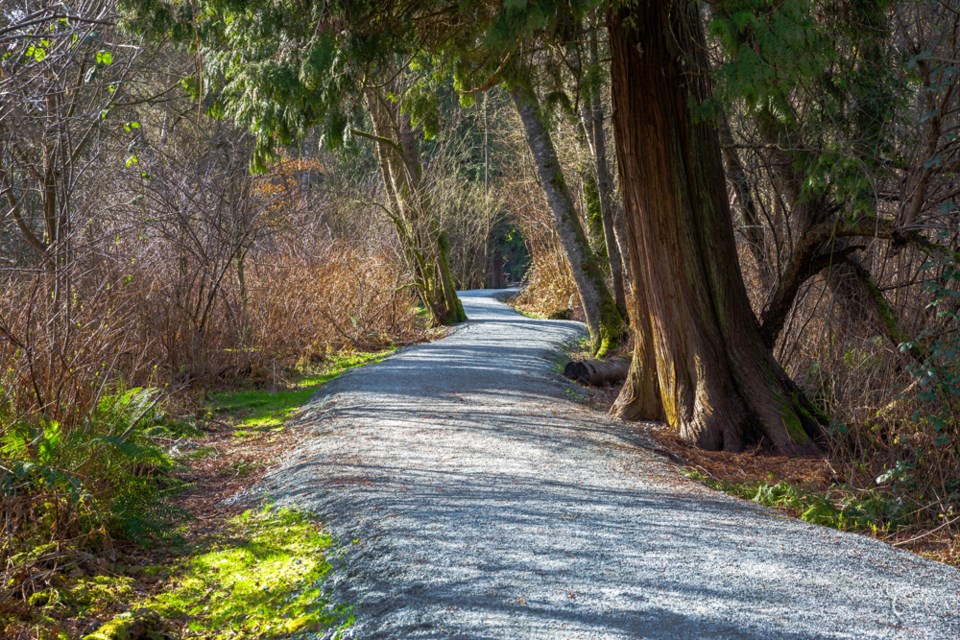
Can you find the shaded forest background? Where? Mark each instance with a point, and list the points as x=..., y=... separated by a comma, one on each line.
x=143, y=265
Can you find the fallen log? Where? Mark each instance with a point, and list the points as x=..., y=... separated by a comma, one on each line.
x=597, y=372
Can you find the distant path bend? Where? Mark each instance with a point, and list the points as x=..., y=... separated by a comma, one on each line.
x=489, y=504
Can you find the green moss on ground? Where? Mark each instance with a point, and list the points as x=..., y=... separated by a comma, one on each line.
x=141, y=624
x=260, y=577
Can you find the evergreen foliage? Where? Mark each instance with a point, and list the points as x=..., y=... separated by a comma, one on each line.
x=823, y=89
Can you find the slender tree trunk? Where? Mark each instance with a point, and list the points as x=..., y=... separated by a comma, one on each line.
x=609, y=208
x=719, y=383
x=608, y=205
x=752, y=228
x=603, y=319
x=593, y=213
x=424, y=244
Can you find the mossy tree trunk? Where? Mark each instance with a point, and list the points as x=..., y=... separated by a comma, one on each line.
x=719, y=383
x=604, y=321
x=423, y=243
x=593, y=212
x=610, y=212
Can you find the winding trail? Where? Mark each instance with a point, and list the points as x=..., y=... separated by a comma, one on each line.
x=488, y=504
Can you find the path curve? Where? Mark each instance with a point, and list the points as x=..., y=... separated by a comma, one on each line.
x=488, y=504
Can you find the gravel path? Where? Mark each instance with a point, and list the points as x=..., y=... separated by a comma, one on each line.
x=486, y=503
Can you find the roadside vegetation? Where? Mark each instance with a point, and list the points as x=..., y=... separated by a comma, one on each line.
x=259, y=574
x=165, y=313
x=209, y=208
x=158, y=550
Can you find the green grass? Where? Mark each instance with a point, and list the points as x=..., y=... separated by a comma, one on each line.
x=261, y=580
x=839, y=507
x=573, y=349
x=259, y=410
x=260, y=577
x=529, y=314
x=421, y=312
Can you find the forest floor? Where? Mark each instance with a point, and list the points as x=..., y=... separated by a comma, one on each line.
x=471, y=494
x=230, y=564
x=807, y=488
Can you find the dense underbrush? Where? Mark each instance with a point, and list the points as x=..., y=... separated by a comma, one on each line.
x=68, y=490
x=894, y=401
x=88, y=382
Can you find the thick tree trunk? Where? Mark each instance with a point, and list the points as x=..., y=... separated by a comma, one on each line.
x=603, y=319
x=639, y=398
x=424, y=244
x=720, y=386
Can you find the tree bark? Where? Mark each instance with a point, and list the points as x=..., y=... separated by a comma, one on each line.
x=423, y=243
x=593, y=222
x=603, y=319
x=597, y=372
x=609, y=209
x=639, y=398
x=721, y=387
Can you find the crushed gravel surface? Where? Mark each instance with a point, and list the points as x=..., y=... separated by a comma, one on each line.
x=475, y=498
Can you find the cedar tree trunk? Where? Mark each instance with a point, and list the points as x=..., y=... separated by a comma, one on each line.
x=719, y=383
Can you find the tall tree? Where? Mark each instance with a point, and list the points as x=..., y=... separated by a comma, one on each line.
x=719, y=382
x=820, y=95
x=423, y=242
x=283, y=69
x=611, y=212
x=602, y=315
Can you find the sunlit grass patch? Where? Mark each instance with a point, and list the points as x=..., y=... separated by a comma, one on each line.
x=49, y=608
x=260, y=579
x=260, y=576
x=260, y=410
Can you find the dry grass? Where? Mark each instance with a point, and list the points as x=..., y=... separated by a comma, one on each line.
x=138, y=314
x=548, y=290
